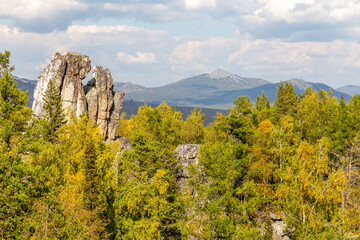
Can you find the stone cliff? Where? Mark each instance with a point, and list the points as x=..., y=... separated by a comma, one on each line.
x=97, y=98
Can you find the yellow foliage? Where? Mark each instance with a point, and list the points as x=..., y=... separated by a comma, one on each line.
x=161, y=184
x=126, y=127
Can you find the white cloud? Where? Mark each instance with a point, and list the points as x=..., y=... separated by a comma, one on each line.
x=195, y=55
x=284, y=18
x=37, y=9
x=163, y=54
x=316, y=61
x=297, y=20
x=153, y=12
x=114, y=29
x=198, y=4
x=41, y=15
x=141, y=57
x=30, y=50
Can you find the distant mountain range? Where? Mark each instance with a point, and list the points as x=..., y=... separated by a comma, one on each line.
x=216, y=90
x=196, y=90
x=26, y=84
x=128, y=87
x=350, y=90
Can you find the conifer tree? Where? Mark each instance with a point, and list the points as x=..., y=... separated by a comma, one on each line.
x=354, y=109
x=286, y=101
x=13, y=111
x=91, y=183
x=262, y=108
x=15, y=175
x=342, y=132
x=54, y=113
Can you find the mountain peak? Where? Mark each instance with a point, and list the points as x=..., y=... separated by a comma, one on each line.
x=220, y=73
x=300, y=83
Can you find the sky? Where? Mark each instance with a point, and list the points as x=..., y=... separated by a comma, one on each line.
x=156, y=42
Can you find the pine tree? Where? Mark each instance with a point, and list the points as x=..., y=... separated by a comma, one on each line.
x=262, y=108
x=286, y=101
x=15, y=175
x=13, y=111
x=54, y=114
x=92, y=181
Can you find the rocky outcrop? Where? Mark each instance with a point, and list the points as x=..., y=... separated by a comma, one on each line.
x=97, y=98
x=280, y=231
x=185, y=155
x=274, y=221
x=66, y=71
x=104, y=105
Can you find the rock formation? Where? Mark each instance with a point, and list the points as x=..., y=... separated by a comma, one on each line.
x=280, y=230
x=185, y=155
x=66, y=71
x=104, y=105
x=97, y=98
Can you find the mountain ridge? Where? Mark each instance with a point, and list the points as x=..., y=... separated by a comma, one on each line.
x=219, y=89
x=216, y=90
x=349, y=89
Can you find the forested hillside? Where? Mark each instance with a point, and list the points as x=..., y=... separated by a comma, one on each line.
x=295, y=161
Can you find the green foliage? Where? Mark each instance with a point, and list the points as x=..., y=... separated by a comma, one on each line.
x=54, y=116
x=15, y=175
x=286, y=101
x=91, y=181
x=262, y=108
x=162, y=124
x=13, y=111
x=15, y=201
x=192, y=129
x=149, y=205
x=298, y=158
x=223, y=202
x=354, y=110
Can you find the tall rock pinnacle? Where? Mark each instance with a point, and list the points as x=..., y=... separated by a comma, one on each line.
x=97, y=98
x=104, y=105
x=67, y=71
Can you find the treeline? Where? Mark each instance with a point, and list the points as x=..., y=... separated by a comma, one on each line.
x=131, y=108
x=297, y=159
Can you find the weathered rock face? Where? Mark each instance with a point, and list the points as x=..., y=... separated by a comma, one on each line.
x=280, y=231
x=104, y=105
x=66, y=71
x=185, y=155
x=97, y=98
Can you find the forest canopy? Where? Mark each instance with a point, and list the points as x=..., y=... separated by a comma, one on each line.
x=296, y=160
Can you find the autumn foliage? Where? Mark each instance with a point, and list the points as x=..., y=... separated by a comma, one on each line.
x=298, y=159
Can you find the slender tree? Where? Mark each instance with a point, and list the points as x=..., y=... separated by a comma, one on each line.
x=54, y=114
x=286, y=101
